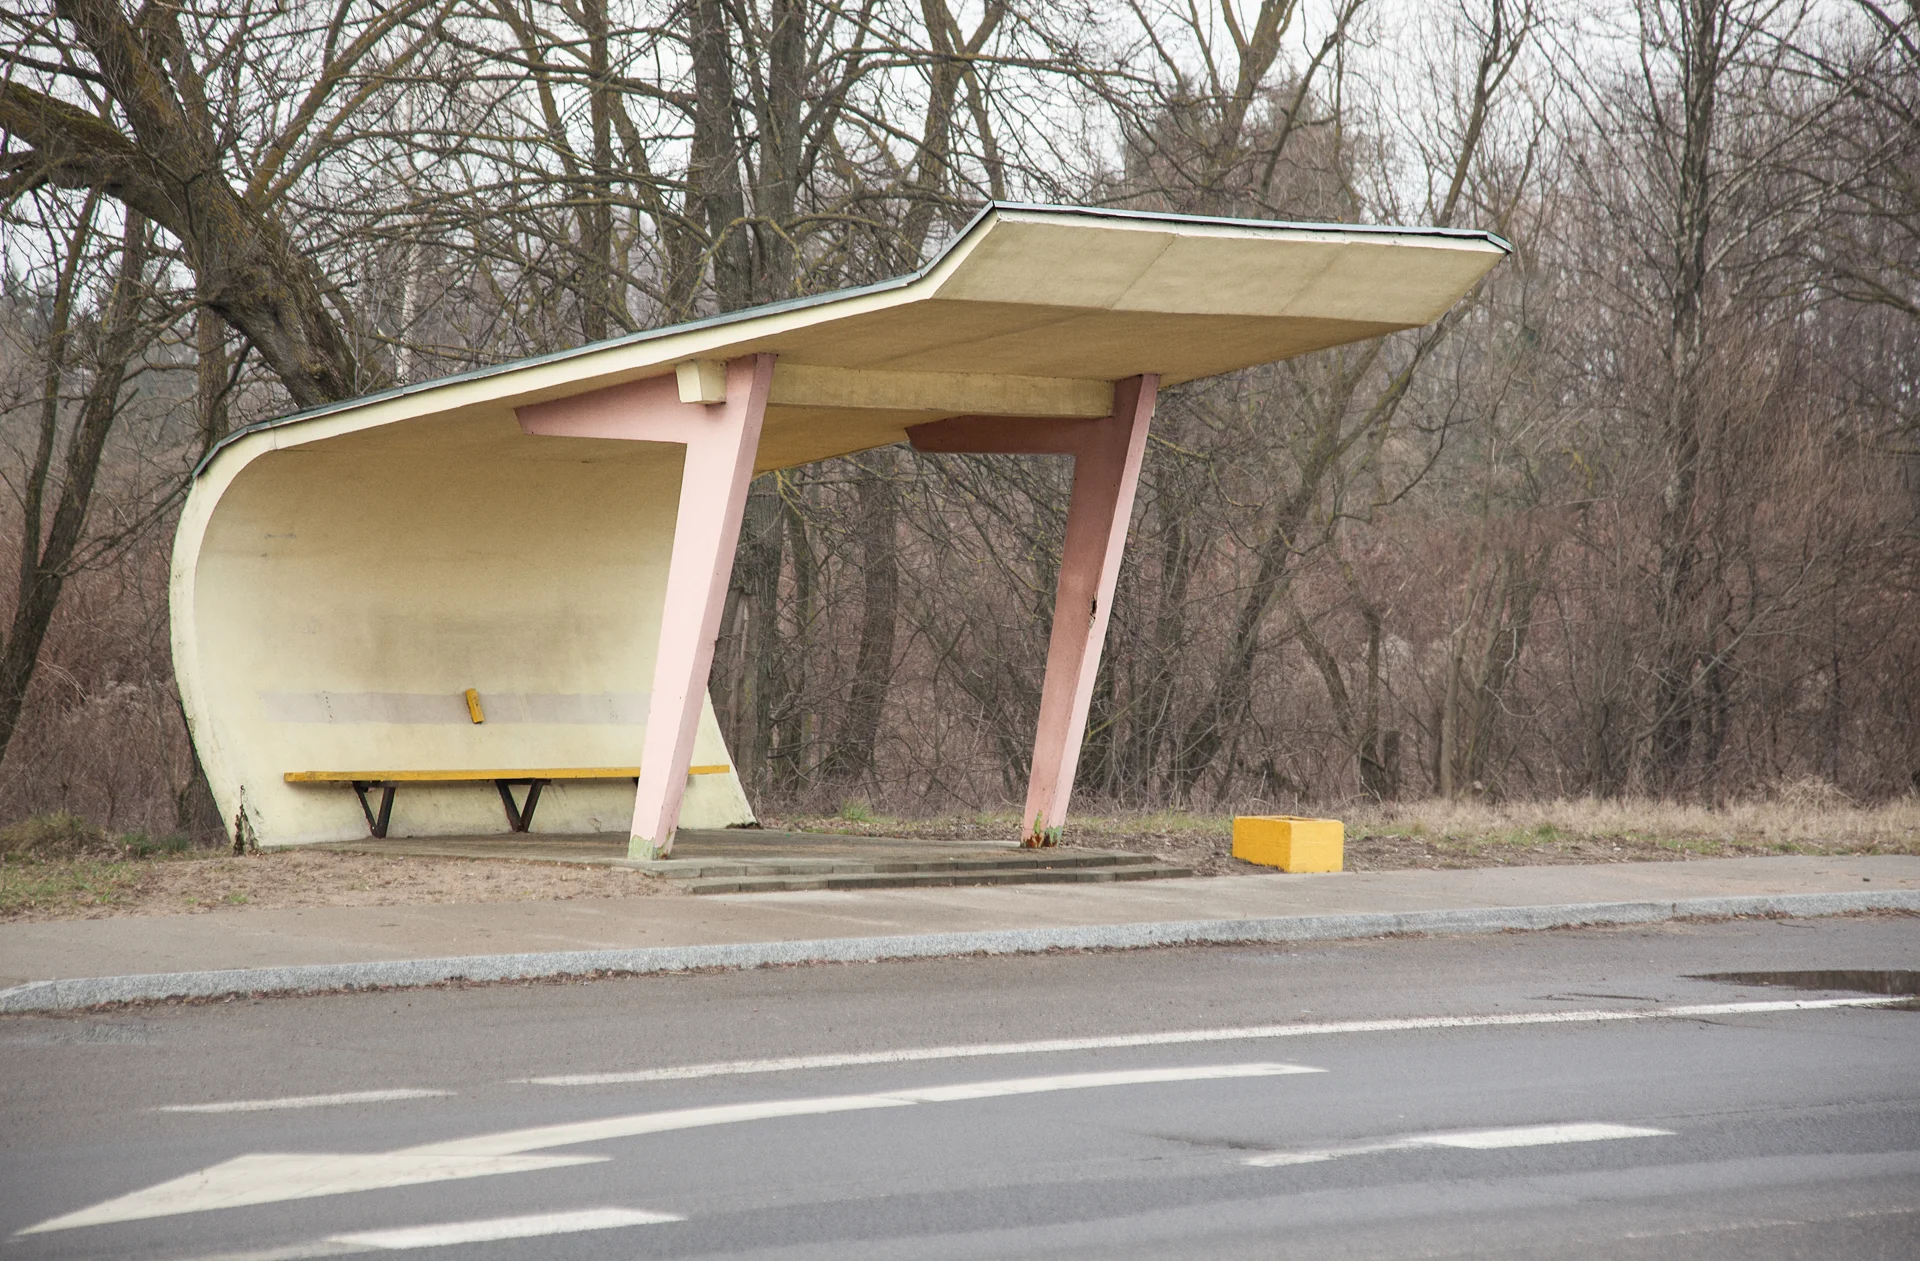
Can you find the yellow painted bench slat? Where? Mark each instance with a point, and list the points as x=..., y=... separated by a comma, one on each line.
x=465, y=777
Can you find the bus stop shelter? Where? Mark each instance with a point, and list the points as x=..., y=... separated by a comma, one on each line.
x=442, y=608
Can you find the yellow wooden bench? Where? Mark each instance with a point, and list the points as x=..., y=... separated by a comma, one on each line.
x=519, y=814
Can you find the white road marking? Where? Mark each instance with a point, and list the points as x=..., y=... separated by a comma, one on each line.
x=1476, y=1140
x=446, y=1233
x=306, y=1101
x=1183, y=1037
x=505, y=1228
x=1543, y=1135
x=267, y=1178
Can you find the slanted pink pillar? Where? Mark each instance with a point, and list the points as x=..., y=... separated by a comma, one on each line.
x=721, y=439
x=1106, y=472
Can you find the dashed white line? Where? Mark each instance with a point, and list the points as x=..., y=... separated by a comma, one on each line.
x=1182, y=1037
x=444, y=1234
x=1474, y=1140
x=527, y=1227
x=1542, y=1135
x=306, y=1101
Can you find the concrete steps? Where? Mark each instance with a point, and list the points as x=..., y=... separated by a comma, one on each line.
x=994, y=868
x=756, y=861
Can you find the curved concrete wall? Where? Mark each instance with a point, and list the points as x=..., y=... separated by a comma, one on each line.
x=333, y=600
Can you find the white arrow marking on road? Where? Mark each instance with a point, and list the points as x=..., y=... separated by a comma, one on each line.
x=264, y=1177
x=270, y=1178
x=1476, y=1140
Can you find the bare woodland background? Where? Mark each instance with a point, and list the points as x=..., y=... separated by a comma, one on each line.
x=1640, y=517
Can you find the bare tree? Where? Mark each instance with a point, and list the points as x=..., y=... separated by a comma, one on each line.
x=159, y=148
x=51, y=544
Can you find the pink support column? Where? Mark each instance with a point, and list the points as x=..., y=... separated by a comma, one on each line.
x=1106, y=472
x=721, y=439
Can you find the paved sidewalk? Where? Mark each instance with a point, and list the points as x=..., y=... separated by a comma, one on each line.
x=255, y=939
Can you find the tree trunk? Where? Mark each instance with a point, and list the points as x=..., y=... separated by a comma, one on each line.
x=777, y=187
x=1226, y=696
x=879, y=508
x=713, y=168
x=795, y=728
x=210, y=377
x=757, y=574
x=170, y=172
x=1180, y=485
x=1677, y=594
x=45, y=566
x=599, y=279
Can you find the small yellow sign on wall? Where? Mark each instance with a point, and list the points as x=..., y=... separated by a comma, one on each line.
x=1289, y=843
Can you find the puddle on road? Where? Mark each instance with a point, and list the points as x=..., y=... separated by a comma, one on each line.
x=1898, y=982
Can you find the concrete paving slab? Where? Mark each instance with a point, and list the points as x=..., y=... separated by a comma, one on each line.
x=262, y=938
x=693, y=848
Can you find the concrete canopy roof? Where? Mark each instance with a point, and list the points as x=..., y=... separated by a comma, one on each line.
x=1029, y=311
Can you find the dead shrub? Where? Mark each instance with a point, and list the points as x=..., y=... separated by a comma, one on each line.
x=55, y=837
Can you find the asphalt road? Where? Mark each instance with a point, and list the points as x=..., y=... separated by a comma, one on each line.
x=1467, y=1117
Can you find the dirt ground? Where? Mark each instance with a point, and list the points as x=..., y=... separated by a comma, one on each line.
x=104, y=877
x=197, y=882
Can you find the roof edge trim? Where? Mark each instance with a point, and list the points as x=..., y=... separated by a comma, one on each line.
x=823, y=299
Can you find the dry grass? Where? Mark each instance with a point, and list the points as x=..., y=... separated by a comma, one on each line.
x=63, y=890
x=1380, y=837
x=1784, y=825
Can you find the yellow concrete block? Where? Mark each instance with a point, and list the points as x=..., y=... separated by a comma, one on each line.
x=1289, y=843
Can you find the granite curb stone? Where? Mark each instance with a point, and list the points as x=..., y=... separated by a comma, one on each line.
x=83, y=992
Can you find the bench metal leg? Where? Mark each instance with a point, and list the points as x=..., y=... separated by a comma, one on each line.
x=520, y=817
x=376, y=824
